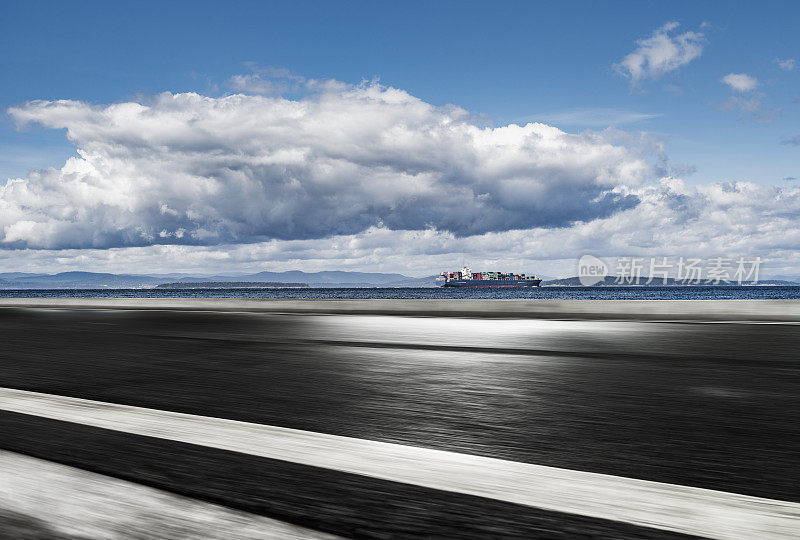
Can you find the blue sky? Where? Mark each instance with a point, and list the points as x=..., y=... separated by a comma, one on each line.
x=509, y=61
x=503, y=62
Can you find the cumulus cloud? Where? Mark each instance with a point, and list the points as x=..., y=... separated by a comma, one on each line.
x=786, y=64
x=363, y=177
x=190, y=169
x=662, y=52
x=740, y=82
x=730, y=219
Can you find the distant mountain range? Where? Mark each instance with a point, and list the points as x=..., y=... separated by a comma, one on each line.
x=229, y=285
x=93, y=280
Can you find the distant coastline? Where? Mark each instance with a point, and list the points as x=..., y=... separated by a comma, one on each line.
x=230, y=285
x=292, y=278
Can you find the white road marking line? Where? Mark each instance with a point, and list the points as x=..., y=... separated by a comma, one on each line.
x=72, y=503
x=703, y=512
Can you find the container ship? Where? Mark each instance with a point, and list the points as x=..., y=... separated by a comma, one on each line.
x=467, y=278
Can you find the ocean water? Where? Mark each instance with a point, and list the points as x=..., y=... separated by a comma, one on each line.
x=551, y=293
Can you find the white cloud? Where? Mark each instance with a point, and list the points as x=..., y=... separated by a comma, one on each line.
x=786, y=64
x=740, y=82
x=190, y=169
x=362, y=177
x=736, y=219
x=748, y=100
x=729, y=218
x=661, y=53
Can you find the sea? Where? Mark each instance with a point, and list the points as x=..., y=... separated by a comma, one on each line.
x=544, y=293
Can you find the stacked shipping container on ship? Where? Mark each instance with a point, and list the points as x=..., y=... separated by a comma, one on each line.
x=467, y=278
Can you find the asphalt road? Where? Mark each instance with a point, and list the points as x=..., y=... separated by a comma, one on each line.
x=696, y=404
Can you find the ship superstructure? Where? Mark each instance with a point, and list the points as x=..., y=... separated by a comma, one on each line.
x=468, y=278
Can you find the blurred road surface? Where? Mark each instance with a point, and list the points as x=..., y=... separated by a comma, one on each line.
x=698, y=404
